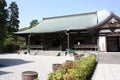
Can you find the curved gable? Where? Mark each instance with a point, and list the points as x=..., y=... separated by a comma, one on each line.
x=112, y=18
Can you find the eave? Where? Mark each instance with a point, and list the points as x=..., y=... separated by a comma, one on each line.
x=100, y=24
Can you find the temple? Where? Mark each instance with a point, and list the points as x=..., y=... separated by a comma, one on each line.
x=84, y=31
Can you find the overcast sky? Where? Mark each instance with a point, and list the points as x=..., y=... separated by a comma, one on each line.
x=37, y=9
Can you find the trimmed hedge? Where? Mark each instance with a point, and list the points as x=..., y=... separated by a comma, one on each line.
x=9, y=48
x=79, y=70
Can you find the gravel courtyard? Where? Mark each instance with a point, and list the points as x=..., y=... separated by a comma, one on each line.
x=12, y=65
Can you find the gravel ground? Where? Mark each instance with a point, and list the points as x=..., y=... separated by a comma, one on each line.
x=12, y=65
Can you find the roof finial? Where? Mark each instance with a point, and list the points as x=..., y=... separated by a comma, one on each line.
x=112, y=12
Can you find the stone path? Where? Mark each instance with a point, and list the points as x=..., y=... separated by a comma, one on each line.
x=108, y=67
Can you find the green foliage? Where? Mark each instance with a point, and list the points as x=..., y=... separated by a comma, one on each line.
x=36, y=79
x=82, y=71
x=23, y=29
x=13, y=24
x=9, y=23
x=10, y=48
x=85, y=67
x=68, y=65
x=10, y=40
x=21, y=41
x=57, y=75
x=3, y=21
x=10, y=44
x=33, y=23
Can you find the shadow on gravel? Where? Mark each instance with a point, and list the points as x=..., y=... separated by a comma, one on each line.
x=12, y=62
x=3, y=72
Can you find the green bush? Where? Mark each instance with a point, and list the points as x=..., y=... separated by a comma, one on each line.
x=10, y=48
x=57, y=75
x=85, y=67
x=68, y=65
x=83, y=70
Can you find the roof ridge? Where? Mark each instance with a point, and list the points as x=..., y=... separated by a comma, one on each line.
x=70, y=15
x=112, y=14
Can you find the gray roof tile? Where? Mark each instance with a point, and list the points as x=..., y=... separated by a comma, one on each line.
x=64, y=23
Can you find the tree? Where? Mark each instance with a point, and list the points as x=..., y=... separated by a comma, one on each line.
x=3, y=21
x=13, y=17
x=33, y=23
x=25, y=28
x=12, y=24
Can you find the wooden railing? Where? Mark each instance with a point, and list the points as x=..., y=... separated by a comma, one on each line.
x=86, y=46
x=81, y=46
x=32, y=47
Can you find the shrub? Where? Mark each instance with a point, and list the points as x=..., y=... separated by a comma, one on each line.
x=77, y=70
x=85, y=67
x=68, y=65
x=10, y=48
x=57, y=75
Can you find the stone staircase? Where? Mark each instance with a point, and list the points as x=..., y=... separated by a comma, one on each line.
x=41, y=52
x=53, y=52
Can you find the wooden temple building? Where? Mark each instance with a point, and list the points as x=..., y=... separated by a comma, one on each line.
x=76, y=32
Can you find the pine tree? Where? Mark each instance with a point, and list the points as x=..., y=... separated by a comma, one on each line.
x=3, y=21
x=13, y=17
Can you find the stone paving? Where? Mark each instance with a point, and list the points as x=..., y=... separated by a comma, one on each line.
x=108, y=67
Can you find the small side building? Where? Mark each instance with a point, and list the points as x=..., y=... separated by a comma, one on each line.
x=77, y=32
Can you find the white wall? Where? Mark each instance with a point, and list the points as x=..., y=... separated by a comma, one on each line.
x=102, y=43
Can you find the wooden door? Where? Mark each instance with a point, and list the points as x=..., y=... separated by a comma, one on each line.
x=112, y=44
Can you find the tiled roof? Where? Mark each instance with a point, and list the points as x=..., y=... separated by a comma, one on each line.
x=64, y=23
